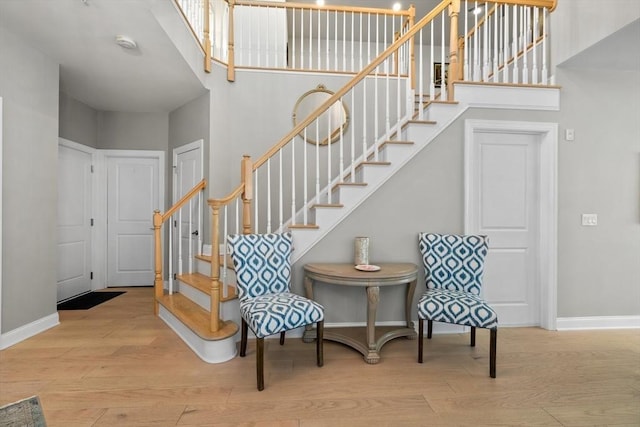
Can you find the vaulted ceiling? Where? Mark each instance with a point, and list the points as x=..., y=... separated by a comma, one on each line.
x=79, y=35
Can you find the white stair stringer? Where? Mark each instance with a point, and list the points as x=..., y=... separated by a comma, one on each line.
x=374, y=175
x=210, y=351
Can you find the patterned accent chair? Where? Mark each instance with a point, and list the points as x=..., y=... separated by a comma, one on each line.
x=263, y=272
x=453, y=267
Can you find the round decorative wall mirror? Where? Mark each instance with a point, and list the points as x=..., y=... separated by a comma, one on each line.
x=329, y=125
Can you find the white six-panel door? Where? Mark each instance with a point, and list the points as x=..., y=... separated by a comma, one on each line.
x=134, y=191
x=74, y=219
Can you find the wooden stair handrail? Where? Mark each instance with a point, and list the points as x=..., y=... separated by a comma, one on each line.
x=184, y=199
x=158, y=220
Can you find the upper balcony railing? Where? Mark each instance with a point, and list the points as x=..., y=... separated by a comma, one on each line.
x=498, y=41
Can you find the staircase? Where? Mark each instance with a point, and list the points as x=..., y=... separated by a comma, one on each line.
x=403, y=121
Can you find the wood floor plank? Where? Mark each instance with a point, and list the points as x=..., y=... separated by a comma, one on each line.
x=118, y=364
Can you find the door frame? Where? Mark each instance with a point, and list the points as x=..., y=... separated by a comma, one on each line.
x=199, y=144
x=95, y=261
x=547, y=137
x=100, y=269
x=176, y=152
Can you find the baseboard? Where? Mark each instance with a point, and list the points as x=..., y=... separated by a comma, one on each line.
x=27, y=331
x=597, y=322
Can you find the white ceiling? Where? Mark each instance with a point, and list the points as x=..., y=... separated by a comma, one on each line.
x=79, y=35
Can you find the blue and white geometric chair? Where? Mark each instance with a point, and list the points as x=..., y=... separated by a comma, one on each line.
x=453, y=267
x=263, y=273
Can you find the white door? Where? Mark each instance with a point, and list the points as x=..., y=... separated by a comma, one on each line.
x=504, y=205
x=187, y=166
x=74, y=220
x=134, y=191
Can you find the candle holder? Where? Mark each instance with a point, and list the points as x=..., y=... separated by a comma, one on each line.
x=361, y=251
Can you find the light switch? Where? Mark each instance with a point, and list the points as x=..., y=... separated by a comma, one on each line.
x=589, y=220
x=569, y=134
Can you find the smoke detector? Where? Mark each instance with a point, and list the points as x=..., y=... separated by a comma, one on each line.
x=126, y=42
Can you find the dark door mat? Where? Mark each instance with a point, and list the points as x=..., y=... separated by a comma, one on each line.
x=87, y=301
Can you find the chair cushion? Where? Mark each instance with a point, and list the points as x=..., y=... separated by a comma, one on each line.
x=270, y=314
x=453, y=262
x=442, y=305
x=262, y=263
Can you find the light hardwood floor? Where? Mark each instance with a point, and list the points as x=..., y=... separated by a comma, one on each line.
x=118, y=365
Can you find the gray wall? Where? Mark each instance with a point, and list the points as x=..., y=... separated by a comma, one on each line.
x=78, y=121
x=189, y=123
x=133, y=131
x=29, y=88
x=598, y=173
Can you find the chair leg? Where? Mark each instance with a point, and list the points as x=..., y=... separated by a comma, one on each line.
x=282, y=337
x=492, y=352
x=260, y=362
x=319, y=342
x=420, y=339
x=429, y=328
x=473, y=336
x=243, y=338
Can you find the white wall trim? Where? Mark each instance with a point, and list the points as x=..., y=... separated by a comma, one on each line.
x=548, y=185
x=598, y=322
x=1, y=150
x=29, y=330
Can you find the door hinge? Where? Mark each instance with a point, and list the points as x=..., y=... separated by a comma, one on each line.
x=175, y=223
x=175, y=276
x=92, y=222
x=91, y=275
x=91, y=168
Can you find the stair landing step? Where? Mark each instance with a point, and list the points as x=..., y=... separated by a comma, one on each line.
x=196, y=318
x=203, y=284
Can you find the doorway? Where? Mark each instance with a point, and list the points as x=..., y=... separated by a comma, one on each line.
x=134, y=189
x=188, y=163
x=511, y=196
x=75, y=205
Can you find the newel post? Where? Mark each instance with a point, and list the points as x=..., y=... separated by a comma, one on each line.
x=246, y=171
x=206, y=37
x=454, y=11
x=231, y=61
x=214, y=292
x=158, y=285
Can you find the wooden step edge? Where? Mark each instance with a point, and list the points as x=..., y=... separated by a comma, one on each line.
x=372, y=163
x=421, y=122
x=303, y=226
x=196, y=280
x=207, y=258
x=327, y=205
x=196, y=318
x=203, y=283
x=396, y=143
x=350, y=184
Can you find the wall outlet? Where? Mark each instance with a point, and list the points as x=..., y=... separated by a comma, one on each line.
x=589, y=220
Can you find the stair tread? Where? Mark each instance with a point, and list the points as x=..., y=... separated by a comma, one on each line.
x=303, y=226
x=196, y=318
x=203, y=284
x=207, y=258
x=398, y=142
x=327, y=205
x=357, y=184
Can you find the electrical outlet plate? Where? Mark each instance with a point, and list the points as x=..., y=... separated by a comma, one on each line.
x=590, y=220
